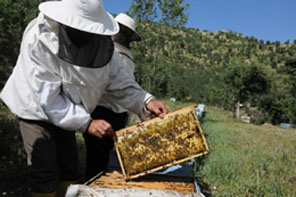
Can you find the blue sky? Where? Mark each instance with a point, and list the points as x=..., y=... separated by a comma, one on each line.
x=273, y=20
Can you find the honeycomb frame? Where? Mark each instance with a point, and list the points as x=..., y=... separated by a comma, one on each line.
x=160, y=143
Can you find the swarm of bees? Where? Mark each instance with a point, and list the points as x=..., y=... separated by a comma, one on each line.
x=160, y=143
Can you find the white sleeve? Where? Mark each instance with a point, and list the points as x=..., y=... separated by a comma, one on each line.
x=60, y=110
x=123, y=90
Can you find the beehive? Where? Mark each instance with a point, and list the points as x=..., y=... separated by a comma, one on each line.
x=159, y=143
x=115, y=180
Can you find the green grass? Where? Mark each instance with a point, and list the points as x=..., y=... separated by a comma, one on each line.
x=247, y=159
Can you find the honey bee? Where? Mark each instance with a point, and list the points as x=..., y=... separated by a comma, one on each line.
x=159, y=143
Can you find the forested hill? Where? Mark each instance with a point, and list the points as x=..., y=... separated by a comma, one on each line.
x=218, y=68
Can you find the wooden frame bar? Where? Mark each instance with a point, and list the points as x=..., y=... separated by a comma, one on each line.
x=146, y=123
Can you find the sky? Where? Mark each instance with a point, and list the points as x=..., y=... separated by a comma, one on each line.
x=273, y=20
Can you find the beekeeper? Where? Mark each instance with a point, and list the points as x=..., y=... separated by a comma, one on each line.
x=122, y=40
x=66, y=61
x=97, y=150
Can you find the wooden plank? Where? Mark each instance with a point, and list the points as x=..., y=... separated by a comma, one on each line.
x=115, y=180
x=202, y=133
x=157, y=119
x=165, y=166
x=119, y=157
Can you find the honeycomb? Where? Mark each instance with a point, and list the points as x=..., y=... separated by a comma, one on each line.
x=159, y=143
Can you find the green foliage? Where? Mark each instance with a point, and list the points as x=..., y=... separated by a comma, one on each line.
x=14, y=17
x=193, y=65
x=291, y=71
x=168, y=12
x=13, y=167
x=216, y=68
x=275, y=107
x=143, y=10
x=172, y=13
x=245, y=81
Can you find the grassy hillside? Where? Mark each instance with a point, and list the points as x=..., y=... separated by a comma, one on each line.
x=245, y=159
x=193, y=65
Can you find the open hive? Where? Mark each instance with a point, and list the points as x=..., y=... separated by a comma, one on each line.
x=159, y=143
x=115, y=180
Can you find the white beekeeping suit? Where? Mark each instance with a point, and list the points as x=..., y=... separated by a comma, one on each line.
x=126, y=24
x=45, y=87
x=66, y=63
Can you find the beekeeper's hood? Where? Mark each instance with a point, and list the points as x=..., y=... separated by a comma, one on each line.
x=85, y=31
x=130, y=23
x=85, y=15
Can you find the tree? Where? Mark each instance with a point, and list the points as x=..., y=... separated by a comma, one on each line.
x=290, y=67
x=170, y=13
x=143, y=10
x=243, y=80
x=173, y=12
x=14, y=17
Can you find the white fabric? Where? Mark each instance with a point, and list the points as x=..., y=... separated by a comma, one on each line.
x=44, y=87
x=107, y=100
x=127, y=58
x=85, y=15
x=86, y=191
x=72, y=191
x=127, y=21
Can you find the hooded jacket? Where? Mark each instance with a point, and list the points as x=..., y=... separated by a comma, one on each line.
x=44, y=87
x=126, y=58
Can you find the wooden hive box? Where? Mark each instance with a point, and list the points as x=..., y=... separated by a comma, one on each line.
x=115, y=180
x=160, y=143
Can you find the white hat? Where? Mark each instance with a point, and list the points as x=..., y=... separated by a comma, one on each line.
x=85, y=15
x=129, y=22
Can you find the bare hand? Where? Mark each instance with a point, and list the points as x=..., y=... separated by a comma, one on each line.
x=158, y=108
x=100, y=128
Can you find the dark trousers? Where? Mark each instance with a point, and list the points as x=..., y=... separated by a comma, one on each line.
x=51, y=154
x=97, y=150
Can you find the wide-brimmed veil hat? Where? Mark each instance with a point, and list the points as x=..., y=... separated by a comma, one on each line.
x=130, y=23
x=85, y=15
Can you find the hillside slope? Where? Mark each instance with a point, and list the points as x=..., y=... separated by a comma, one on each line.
x=246, y=159
x=191, y=65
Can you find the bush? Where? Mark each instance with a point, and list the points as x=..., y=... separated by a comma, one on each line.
x=13, y=167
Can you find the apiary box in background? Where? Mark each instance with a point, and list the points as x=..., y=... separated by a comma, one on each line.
x=160, y=143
